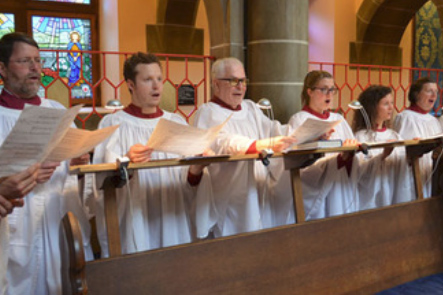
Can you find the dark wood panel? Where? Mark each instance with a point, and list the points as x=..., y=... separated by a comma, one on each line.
x=359, y=253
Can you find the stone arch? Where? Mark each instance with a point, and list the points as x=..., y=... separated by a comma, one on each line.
x=175, y=30
x=380, y=27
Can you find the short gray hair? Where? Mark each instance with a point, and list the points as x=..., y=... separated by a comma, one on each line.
x=219, y=66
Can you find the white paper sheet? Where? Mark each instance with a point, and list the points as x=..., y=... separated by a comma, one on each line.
x=77, y=142
x=185, y=140
x=38, y=132
x=312, y=129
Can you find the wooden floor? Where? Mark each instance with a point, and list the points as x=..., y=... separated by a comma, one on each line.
x=360, y=253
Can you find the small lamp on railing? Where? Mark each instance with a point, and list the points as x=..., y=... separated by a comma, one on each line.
x=265, y=104
x=114, y=104
x=356, y=105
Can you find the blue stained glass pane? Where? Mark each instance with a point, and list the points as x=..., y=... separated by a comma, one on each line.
x=6, y=23
x=69, y=1
x=7, y=26
x=73, y=67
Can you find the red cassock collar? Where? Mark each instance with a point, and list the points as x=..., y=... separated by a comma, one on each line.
x=9, y=100
x=323, y=116
x=417, y=109
x=137, y=112
x=223, y=104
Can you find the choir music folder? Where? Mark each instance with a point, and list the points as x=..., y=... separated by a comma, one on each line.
x=319, y=144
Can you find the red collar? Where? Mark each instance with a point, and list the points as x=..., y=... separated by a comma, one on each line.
x=9, y=100
x=383, y=129
x=417, y=109
x=323, y=116
x=223, y=104
x=137, y=112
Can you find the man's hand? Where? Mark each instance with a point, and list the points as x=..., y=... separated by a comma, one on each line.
x=46, y=170
x=139, y=153
x=20, y=184
x=5, y=207
x=82, y=160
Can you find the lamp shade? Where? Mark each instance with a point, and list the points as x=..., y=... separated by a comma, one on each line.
x=264, y=104
x=114, y=104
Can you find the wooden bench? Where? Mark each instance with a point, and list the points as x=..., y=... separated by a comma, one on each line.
x=360, y=253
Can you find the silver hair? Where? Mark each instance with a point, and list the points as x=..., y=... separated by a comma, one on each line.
x=220, y=65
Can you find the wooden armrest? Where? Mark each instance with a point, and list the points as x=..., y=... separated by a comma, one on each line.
x=72, y=256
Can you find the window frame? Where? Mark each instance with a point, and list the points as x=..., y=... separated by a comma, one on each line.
x=23, y=11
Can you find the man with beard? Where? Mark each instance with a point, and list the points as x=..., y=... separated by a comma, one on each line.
x=34, y=258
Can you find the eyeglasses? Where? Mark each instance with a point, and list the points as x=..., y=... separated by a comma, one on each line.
x=326, y=90
x=28, y=61
x=235, y=81
x=430, y=92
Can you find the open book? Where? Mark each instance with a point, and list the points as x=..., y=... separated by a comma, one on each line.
x=320, y=144
x=45, y=134
x=309, y=132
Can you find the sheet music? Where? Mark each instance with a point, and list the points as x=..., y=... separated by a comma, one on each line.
x=172, y=137
x=77, y=142
x=312, y=129
x=39, y=131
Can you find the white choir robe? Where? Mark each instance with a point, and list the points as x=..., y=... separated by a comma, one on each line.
x=327, y=190
x=162, y=209
x=34, y=254
x=409, y=125
x=391, y=181
x=241, y=189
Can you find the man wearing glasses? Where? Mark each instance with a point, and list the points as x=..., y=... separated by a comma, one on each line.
x=239, y=188
x=34, y=258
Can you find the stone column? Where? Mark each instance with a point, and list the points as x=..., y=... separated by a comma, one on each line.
x=278, y=53
x=225, y=20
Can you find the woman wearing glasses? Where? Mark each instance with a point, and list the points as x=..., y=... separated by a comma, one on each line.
x=329, y=184
x=416, y=122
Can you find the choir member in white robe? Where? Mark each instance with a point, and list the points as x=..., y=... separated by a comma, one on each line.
x=34, y=254
x=390, y=182
x=12, y=191
x=329, y=185
x=159, y=207
x=241, y=191
x=416, y=122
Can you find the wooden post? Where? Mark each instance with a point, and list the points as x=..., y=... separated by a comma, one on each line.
x=299, y=208
x=418, y=184
x=111, y=215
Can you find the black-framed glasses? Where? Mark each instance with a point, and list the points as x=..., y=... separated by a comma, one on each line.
x=235, y=81
x=326, y=90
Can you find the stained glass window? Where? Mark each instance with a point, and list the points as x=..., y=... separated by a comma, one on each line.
x=6, y=26
x=70, y=35
x=429, y=45
x=6, y=23
x=70, y=1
